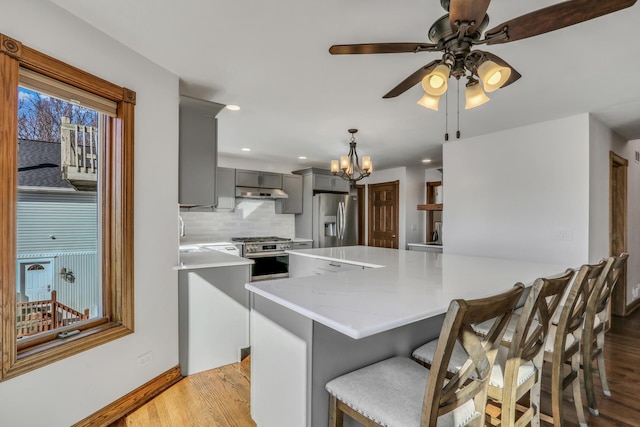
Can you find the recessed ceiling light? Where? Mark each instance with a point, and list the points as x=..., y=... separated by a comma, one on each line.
x=302, y=157
x=233, y=107
x=246, y=149
x=426, y=160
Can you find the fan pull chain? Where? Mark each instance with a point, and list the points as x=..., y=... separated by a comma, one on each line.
x=458, y=131
x=446, y=116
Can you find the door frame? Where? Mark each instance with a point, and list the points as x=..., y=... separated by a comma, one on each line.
x=362, y=236
x=618, y=228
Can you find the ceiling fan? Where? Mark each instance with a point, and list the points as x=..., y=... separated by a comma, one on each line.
x=457, y=32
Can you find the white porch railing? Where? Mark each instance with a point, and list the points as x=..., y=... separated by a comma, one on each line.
x=79, y=156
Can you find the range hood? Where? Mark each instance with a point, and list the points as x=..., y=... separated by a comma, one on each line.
x=260, y=193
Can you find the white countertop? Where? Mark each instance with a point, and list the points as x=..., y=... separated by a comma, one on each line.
x=406, y=287
x=426, y=245
x=195, y=260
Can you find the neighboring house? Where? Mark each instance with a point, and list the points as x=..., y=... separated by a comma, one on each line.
x=57, y=232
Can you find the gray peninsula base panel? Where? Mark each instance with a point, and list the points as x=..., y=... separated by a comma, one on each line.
x=302, y=355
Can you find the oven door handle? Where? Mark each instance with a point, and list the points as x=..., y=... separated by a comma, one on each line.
x=265, y=254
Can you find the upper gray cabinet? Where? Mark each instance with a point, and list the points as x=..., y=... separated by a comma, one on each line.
x=258, y=179
x=198, y=152
x=330, y=183
x=226, y=188
x=292, y=185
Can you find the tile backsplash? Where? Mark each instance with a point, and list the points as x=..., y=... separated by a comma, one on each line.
x=252, y=217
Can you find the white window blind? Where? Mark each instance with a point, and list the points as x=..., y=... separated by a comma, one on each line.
x=38, y=82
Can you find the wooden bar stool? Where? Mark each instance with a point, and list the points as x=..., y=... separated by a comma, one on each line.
x=594, y=328
x=516, y=372
x=562, y=348
x=399, y=392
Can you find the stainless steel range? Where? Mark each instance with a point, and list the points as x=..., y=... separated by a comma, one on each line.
x=268, y=253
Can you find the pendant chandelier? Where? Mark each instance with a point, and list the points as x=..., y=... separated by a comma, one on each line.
x=348, y=167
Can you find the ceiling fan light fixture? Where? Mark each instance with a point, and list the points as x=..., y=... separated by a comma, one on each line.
x=493, y=76
x=435, y=83
x=429, y=101
x=474, y=94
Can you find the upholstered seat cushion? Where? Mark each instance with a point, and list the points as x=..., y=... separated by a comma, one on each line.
x=549, y=343
x=391, y=393
x=483, y=328
x=425, y=354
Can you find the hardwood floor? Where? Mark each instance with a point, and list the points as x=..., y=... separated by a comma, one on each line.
x=215, y=398
x=220, y=397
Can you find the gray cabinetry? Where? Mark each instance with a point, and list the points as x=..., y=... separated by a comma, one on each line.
x=258, y=179
x=245, y=178
x=307, y=244
x=226, y=188
x=292, y=185
x=330, y=183
x=197, y=152
x=270, y=180
x=301, y=266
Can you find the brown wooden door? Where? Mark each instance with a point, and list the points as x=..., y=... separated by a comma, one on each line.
x=618, y=226
x=383, y=214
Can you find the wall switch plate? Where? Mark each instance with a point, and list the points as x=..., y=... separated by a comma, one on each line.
x=562, y=234
x=145, y=358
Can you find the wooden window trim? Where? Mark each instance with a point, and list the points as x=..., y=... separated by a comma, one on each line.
x=116, y=207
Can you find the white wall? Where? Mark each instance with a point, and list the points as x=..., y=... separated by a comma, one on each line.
x=602, y=141
x=67, y=391
x=512, y=194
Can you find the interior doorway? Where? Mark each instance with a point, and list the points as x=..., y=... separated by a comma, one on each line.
x=384, y=210
x=618, y=225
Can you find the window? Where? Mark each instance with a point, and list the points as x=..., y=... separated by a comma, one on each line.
x=72, y=289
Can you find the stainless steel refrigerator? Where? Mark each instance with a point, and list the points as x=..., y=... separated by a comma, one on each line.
x=335, y=220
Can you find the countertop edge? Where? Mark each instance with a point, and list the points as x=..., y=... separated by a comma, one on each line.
x=330, y=258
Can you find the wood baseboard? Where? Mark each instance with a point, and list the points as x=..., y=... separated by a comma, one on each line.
x=631, y=307
x=112, y=413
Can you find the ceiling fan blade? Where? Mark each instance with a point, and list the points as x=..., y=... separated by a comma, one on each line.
x=514, y=74
x=467, y=11
x=555, y=17
x=412, y=80
x=350, y=49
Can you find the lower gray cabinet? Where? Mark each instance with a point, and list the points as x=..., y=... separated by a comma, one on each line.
x=302, y=266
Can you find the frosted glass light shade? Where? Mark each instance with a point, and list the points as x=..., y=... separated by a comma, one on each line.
x=366, y=163
x=429, y=101
x=475, y=96
x=493, y=76
x=335, y=166
x=435, y=83
x=344, y=163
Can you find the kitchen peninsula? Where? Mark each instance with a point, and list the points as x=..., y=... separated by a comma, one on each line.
x=307, y=330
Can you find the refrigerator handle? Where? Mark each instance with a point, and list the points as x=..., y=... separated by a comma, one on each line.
x=342, y=220
x=338, y=221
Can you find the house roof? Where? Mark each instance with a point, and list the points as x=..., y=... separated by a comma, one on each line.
x=39, y=165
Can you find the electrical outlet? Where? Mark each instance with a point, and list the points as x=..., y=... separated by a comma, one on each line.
x=635, y=292
x=145, y=358
x=562, y=234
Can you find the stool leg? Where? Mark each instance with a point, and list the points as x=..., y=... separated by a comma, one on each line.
x=577, y=392
x=601, y=368
x=336, y=416
x=587, y=367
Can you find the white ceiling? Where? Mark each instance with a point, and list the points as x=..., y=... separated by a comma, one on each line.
x=271, y=59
